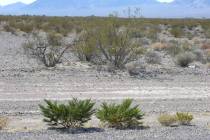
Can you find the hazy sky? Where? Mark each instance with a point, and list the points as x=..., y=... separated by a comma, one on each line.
x=5, y=2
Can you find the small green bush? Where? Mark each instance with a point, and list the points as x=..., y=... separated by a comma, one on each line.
x=71, y=115
x=184, y=59
x=184, y=118
x=167, y=120
x=120, y=116
x=177, y=31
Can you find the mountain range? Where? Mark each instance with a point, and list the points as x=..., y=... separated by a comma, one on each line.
x=149, y=8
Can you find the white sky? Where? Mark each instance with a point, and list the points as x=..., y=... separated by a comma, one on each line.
x=6, y=2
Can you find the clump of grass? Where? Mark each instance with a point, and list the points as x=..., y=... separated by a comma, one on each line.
x=167, y=119
x=120, y=116
x=184, y=59
x=184, y=118
x=3, y=122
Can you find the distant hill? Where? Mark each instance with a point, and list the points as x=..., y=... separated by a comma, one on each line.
x=149, y=8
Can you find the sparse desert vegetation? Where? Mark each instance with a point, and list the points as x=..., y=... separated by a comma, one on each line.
x=167, y=119
x=161, y=65
x=184, y=118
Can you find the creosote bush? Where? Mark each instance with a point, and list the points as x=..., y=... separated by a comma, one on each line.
x=111, y=43
x=184, y=118
x=177, y=31
x=86, y=48
x=167, y=119
x=184, y=59
x=3, y=122
x=47, y=49
x=121, y=115
x=71, y=115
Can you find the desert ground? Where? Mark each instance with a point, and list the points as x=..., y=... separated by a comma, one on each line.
x=25, y=83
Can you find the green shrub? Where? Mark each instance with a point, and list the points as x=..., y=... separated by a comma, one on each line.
x=177, y=31
x=112, y=42
x=71, y=115
x=184, y=118
x=120, y=116
x=167, y=120
x=86, y=48
x=184, y=59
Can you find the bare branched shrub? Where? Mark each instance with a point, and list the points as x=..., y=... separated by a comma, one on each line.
x=47, y=49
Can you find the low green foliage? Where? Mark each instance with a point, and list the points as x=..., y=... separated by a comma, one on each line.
x=177, y=31
x=167, y=119
x=120, y=116
x=71, y=115
x=184, y=118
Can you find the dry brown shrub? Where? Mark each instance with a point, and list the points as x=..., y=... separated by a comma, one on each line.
x=3, y=122
x=206, y=46
x=159, y=46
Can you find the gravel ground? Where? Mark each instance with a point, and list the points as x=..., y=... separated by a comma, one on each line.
x=159, y=133
x=24, y=84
